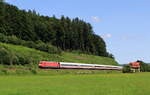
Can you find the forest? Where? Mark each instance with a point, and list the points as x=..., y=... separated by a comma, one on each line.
x=63, y=33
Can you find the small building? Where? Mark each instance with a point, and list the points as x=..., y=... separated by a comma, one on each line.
x=135, y=66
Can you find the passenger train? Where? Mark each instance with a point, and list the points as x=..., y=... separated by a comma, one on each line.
x=67, y=65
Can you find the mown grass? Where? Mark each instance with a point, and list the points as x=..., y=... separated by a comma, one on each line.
x=95, y=84
x=37, y=56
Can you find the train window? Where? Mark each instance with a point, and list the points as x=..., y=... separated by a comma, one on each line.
x=73, y=65
x=98, y=66
x=114, y=67
x=86, y=66
x=68, y=65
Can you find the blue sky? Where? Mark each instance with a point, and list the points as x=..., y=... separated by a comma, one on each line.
x=124, y=24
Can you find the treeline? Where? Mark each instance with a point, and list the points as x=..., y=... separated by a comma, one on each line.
x=65, y=33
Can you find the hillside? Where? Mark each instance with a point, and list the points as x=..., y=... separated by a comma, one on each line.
x=34, y=56
x=27, y=37
x=64, y=33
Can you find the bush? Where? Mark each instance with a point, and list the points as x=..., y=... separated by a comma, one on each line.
x=126, y=69
x=29, y=44
x=47, y=48
x=8, y=57
x=3, y=38
x=13, y=40
x=143, y=66
x=53, y=50
x=39, y=45
x=4, y=56
x=23, y=60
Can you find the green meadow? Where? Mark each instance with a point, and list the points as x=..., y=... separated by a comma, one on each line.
x=81, y=84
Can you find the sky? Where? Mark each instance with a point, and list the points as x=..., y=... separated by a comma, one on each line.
x=123, y=24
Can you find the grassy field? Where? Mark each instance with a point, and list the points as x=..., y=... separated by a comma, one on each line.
x=37, y=56
x=94, y=84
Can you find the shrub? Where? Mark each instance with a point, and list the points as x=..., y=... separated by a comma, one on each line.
x=13, y=40
x=8, y=57
x=29, y=44
x=143, y=66
x=126, y=69
x=47, y=48
x=39, y=45
x=53, y=50
x=4, y=56
x=3, y=38
x=23, y=60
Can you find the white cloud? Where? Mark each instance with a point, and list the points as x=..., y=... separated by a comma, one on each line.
x=95, y=19
x=108, y=35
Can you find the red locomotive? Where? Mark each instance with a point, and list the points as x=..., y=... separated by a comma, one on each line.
x=47, y=64
x=65, y=65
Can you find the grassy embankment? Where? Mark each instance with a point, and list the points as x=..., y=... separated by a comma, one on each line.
x=64, y=57
x=108, y=84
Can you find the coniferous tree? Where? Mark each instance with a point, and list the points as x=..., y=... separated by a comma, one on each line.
x=65, y=33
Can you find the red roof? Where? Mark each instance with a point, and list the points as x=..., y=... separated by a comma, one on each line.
x=135, y=64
